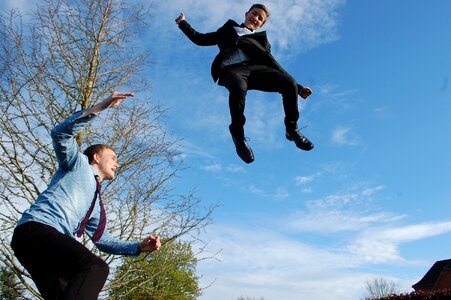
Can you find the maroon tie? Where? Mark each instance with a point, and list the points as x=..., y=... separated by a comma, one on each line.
x=102, y=221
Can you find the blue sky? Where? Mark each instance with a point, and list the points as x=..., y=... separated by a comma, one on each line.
x=371, y=200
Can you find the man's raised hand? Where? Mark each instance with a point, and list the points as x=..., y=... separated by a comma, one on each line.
x=180, y=18
x=115, y=99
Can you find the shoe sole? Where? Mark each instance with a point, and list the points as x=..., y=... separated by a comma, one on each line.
x=302, y=147
x=246, y=161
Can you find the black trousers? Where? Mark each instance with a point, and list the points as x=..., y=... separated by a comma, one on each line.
x=239, y=78
x=60, y=266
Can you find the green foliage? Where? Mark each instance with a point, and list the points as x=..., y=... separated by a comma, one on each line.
x=167, y=274
x=9, y=286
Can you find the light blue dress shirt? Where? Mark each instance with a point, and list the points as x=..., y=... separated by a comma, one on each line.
x=66, y=200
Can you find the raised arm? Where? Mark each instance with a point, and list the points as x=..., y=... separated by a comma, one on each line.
x=63, y=135
x=200, y=39
x=113, y=100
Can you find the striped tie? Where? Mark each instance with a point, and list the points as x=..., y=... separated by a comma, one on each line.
x=102, y=221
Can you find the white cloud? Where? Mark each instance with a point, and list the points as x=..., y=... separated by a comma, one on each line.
x=303, y=179
x=382, y=112
x=415, y=232
x=265, y=260
x=190, y=149
x=307, y=190
x=344, y=136
x=216, y=167
x=294, y=25
x=264, y=113
x=367, y=192
x=257, y=191
x=377, y=245
x=344, y=211
x=235, y=168
x=332, y=221
x=334, y=98
x=310, y=23
x=281, y=194
x=334, y=200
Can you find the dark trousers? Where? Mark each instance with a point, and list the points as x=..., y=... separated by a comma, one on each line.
x=239, y=78
x=60, y=266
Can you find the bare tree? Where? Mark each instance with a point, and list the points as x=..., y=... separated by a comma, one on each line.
x=66, y=56
x=380, y=287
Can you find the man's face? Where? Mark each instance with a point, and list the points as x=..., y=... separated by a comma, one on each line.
x=106, y=163
x=255, y=18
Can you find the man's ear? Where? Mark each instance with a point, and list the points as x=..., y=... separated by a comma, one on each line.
x=95, y=158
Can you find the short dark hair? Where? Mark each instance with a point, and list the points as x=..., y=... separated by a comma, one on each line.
x=262, y=7
x=95, y=149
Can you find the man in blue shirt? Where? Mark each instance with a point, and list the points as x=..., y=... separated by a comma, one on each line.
x=43, y=242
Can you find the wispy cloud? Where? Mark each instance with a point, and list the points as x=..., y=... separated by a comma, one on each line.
x=336, y=200
x=344, y=136
x=276, y=258
x=235, y=168
x=367, y=192
x=281, y=194
x=216, y=167
x=302, y=180
x=333, y=97
x=263, y=262
x=309, y=23
x=344, y=211
x=307, y=190
x=376, y=245
x=190, y=149
x=382, y=112
x=332, y=221
x=257, y=191
x=265, y=119
x=294, y=25
x=259, y=260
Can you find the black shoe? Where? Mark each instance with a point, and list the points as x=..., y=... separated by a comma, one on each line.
x=243, y=150
x=301, y=141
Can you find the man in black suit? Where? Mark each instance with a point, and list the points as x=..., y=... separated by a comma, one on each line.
x=245, y=63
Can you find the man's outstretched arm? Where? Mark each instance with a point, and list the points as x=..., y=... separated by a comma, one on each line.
x=63, y=135
x=200, y=39
x=113, y=100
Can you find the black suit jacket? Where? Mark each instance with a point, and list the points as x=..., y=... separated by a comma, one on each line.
x=256, y=46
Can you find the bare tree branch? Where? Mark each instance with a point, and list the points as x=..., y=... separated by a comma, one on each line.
x=65, y=58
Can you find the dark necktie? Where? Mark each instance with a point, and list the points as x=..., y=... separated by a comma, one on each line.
x=102, y=220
